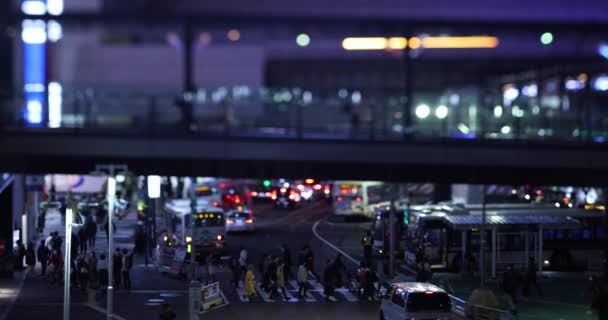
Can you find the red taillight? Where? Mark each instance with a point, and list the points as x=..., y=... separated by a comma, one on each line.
x=254, y=194
x=222, y=185
x=292, y=196
x=230, y=221
x=237, y=199
x=338, y=199
x=220, y=237
x=428, y=292
x=216, y=204
x=274, y=197
x=249, y=221
x=358, y=199
x=326, y=191
x=268, y=194
x=317, y=187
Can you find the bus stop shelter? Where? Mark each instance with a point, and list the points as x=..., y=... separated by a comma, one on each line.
x=529, y=227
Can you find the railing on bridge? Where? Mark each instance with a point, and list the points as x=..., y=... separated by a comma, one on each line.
x=298, y=113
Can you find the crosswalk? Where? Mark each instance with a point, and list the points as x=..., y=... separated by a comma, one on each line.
x=313, y=294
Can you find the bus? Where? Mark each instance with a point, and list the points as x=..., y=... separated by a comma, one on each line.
x=448, y=236
x=354, y=198
x=205, y=230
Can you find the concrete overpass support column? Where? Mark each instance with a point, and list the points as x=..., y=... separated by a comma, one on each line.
x=18, y=206
x=494, y=252
x=463, y=264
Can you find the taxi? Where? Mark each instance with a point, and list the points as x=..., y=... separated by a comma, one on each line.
x=415, y=300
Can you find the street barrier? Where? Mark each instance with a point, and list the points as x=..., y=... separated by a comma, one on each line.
x=212, y=297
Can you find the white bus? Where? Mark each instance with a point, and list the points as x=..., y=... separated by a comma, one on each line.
x=355, y=198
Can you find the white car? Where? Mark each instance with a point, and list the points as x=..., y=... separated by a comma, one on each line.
x=240, y=220
x=415, y=300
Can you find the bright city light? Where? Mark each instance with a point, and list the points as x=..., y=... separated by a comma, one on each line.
x=530, y=90
x=54, y=31
x=505, y=130
x=601, y=83
x=154, y=183
x=356, y=97
x=54, y=7
x=603, y=50
x=34, y=112
x=33, y=31
x=303, y=40
x=517, y=112
x=397, y=43
x=441, y=112
x=479, y=42
x=423, y=111
x=55, y=97
x=546, y=38
x=497, y=111
x=463, y=128
x=234, y=35
x=375, y=43
x=33, y=7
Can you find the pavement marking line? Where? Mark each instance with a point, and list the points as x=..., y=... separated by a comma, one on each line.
x=265, y=296
x=308, y=297
x=316, y=285
x=153, y=291
x=241, y=293
x=348, y=295
x=346, y=255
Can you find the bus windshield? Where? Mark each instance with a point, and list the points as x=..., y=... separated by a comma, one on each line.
x=350, y=190
x=208, y=219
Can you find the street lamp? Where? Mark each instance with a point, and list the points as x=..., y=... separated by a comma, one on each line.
x=154, y=184
x=423, y=111
x=441, y=112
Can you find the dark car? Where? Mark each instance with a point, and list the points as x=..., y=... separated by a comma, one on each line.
x=287, y=198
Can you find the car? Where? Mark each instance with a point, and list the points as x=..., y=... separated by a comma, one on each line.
x=415, y=300
x=232, y=198
x=240, y=219
x=286, y=198
x=260, y=193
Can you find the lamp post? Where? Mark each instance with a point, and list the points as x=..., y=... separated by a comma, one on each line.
x=69, y=223
x=111, y=195
x=154, y=188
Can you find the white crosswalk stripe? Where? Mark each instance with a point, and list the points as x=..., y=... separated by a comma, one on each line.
x=347, y=295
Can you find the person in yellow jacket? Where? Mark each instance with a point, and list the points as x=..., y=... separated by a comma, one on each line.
x=250, y=284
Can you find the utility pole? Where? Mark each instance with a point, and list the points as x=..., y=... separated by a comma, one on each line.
x=67, y=264
x=391, y=222
x=111, y=198
x=482, y=236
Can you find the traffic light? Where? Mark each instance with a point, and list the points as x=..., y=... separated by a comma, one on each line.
x=406, y=217
x=266, y=183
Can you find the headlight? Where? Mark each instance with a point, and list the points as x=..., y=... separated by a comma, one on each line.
x=188, y=239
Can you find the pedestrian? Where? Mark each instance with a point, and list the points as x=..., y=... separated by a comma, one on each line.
x=156, y=257
x=250, y=293
x=236, y=272
x=272, y=277
x=56, y=262
x=48, y=243
x=281, y=279
x=83, y=272
x=56, y=242
x=167, y=313
x=508, y=284
x=103, y=273
x=243, y=262
x=91, y=228
x=117, y=267
x=427, y=271
x=83, y=239
x=339, y=268
x=43, y=256
x=20, y=255
x=329, y=278
x=30, y=257
x=381, y=275
x=366, y=242
x=288, y=263
x=310, y=261
x=302, y=280
x=531, y=280
x=93, y=264
x=127, y=264
x=264, y=266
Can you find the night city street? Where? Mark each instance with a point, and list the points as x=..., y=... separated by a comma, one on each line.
x=303, y=160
